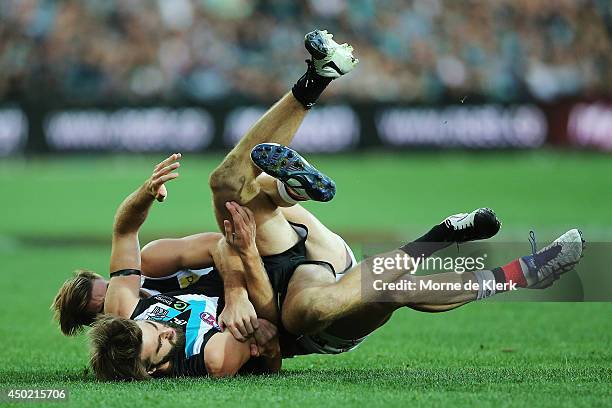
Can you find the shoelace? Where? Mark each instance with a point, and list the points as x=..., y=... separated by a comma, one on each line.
x=534, y=249
x=533, y=243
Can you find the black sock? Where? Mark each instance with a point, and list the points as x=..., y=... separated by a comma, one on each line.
x=500, y=276
x=434, y=240
x=310, y=86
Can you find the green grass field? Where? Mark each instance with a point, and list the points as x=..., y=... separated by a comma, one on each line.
x=56, y=216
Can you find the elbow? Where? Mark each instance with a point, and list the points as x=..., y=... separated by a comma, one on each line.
x=217, y=367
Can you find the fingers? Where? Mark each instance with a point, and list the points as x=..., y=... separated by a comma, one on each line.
x=160, y=177
x=242, y=329
x=246, y=214
x=236, y=333
x=168, y=177
x=248, y=327
x=227, y=226
x=255, y=322
x=167, y=161
x=261, y=337
x=239, y=222
x=250, y=215
x=166, y=169
x=243, y=217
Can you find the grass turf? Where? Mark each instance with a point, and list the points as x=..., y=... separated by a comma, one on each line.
x=489, y=354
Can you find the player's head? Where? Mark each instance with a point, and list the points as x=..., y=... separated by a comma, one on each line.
x=79, y=301
x=125, y=349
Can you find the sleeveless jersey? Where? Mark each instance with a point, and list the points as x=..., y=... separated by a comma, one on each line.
x=194, y=311
x=178, y=280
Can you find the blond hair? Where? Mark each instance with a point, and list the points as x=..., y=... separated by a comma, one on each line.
x=70, y=303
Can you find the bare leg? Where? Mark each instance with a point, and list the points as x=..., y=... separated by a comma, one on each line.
x=235, y=178
x=310, y=308
x=322, y=244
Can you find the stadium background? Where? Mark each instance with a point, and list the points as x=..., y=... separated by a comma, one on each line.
x=454, y=105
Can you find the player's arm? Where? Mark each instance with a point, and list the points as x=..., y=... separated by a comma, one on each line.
x=125, y=265
x=241, y=237
x=224, y=356
x=240, y=241
x=164, y=257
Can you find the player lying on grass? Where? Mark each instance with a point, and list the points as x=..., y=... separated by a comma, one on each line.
x=136, y=340
x=127, y=349
x=175, y=333
x=172, y=264
x=330, y=316
x=192, y=311
x=80, y=299
x=333, y=315
x=325, y=314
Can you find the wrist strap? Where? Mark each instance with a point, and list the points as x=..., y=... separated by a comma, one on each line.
x=125, y=272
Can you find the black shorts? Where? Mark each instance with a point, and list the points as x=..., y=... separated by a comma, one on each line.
x=280, y=267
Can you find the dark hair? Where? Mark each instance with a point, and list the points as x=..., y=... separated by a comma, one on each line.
x=116, y=343
x=70, y=303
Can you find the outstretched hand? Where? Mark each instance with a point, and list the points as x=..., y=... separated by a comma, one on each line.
x=162, y=173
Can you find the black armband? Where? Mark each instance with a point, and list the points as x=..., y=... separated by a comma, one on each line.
x=125, y=272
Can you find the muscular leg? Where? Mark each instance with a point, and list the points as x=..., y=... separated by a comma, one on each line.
x=319, y=307
x=234, y=178
x=323, y=244
x=311, y=307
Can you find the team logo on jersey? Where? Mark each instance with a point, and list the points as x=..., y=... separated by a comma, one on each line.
x=158, y=313
x=166, y=300
x=179, y=305
x=210, y=319
x=181, y=319
x=188, y=279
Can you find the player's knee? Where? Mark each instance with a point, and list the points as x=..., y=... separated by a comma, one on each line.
x=224, y=178
x=231, y=181
x=307, y=315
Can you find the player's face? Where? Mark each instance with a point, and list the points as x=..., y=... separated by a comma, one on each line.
x=159, y=343
x=98, y=293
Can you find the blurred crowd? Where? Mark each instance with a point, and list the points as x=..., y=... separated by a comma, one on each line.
x=94, y=51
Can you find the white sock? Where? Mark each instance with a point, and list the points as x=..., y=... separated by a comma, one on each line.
x=282, y=191
x=485, y=277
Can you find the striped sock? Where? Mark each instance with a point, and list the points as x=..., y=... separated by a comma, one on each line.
x=288, y=195
x=511, y=273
